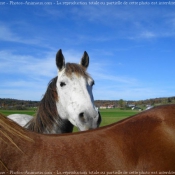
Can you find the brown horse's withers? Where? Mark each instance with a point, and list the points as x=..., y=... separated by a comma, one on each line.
x=144, y=143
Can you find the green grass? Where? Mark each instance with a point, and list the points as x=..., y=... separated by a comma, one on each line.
x=109, y=116
x=8, y=112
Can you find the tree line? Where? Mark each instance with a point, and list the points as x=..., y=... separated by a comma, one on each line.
x=143, y=103
x=7, y=103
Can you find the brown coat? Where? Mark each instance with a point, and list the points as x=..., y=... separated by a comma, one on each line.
x=141, y=144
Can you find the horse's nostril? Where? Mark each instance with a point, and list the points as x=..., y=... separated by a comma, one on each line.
x=81, y=115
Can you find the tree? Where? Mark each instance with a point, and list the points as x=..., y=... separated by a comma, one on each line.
x=121, y=103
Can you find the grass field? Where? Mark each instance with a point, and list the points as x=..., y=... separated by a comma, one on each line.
x=113, y=115
x=8, y=112
x=108, y=115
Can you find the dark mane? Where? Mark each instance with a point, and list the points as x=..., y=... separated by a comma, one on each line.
x=47, y=116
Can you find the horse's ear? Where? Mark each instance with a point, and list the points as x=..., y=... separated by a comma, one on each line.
x=85, y=60
x=60, y=61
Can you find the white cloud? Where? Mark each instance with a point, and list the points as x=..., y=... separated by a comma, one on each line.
x=27, y=64
x=129, y=93
x=116, y=79
x=32, y=94
x=147, y=35
x=141, y=24
x=9, y=33
x=24, y=76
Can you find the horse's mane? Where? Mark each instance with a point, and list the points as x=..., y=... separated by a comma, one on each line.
x=10, y=133
x=9, y=130
x=47, y=115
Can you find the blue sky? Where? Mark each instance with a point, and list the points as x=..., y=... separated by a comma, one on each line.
x=131, y=48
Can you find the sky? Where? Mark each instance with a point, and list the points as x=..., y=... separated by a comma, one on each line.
x=131, y=46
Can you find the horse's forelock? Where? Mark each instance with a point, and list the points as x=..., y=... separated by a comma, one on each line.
x=76, y=69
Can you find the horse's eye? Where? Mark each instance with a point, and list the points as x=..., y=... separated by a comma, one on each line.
x=62, y=84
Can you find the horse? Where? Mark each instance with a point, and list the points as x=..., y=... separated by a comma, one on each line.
x=141, y=144
x=68, y=101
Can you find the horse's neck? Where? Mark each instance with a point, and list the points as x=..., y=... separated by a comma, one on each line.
x=47, y=124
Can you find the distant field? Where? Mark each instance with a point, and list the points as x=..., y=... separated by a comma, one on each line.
x=113, y=115
x=8, y=112
x=108, y=115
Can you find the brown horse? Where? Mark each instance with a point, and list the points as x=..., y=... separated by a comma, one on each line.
x=141, y=144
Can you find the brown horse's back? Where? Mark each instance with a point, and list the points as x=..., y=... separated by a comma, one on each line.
x=143, y=143
x=147, y=140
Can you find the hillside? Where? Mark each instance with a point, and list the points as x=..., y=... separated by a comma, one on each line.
x=122, y=103
x=7, y=103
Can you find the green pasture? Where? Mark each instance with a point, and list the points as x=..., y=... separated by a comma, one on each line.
x=109, y=116
x=8, y=112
